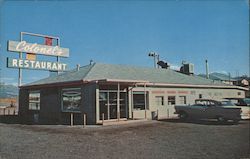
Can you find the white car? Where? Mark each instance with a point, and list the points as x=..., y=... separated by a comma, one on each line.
x=244, y=104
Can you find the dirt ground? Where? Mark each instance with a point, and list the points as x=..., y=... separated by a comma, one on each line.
x=147, y=140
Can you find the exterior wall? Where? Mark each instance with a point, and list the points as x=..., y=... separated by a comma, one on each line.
x=167, y=111
x=89, y=103
x=50, y=110
x=51, y=101
x=24, y=113
x=51, y=106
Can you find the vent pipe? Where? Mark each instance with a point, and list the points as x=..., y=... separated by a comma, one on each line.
x=207, y=73
x=91, y=62
x=77, y=67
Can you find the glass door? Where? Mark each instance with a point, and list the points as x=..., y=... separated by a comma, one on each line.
x=123, y=105
x=108, y=105
x=113, y=105
x=103, y=105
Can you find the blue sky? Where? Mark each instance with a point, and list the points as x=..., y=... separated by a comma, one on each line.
x=124, y=32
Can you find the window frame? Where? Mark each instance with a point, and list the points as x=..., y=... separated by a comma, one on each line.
x=161, y=102
x=147, y=97
x=38, y=102
x=185, y=99
x=171, y=100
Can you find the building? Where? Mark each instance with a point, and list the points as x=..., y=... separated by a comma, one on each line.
x=115, y=92
x=242, y=81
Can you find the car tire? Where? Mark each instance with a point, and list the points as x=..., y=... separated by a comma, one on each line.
x=236, y=121
x=183, y=115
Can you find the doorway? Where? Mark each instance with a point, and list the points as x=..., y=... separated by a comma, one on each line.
x=108, y=105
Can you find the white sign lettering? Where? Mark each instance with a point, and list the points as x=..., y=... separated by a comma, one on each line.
x=40, y=65
x=35, y=48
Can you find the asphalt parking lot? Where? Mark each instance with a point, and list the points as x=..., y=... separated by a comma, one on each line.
x=151, y=139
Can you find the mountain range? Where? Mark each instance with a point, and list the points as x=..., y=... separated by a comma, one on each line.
x=8, y=91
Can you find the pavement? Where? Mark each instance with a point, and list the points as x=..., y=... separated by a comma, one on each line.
x=148, y=140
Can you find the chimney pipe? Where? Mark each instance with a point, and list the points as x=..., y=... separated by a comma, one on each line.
x=78, y=67
x=207, y=73
x=91, y=62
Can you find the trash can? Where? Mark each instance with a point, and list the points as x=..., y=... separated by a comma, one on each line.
x=154, y=115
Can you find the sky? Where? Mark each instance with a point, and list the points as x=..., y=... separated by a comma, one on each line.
x=125, y=31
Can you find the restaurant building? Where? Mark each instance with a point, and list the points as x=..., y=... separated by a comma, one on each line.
x=114, y=93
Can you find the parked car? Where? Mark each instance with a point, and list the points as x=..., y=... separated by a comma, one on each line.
x=244, y=104
x=209, y=109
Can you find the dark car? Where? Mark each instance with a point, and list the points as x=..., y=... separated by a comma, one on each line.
x=209, y=109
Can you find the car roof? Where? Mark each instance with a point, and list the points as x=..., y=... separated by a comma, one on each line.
x=234, y=98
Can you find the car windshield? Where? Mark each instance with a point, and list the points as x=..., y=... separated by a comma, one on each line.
x=247, y=101
x=227, y=103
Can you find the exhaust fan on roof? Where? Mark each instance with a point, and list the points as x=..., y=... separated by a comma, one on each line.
x=163, y=64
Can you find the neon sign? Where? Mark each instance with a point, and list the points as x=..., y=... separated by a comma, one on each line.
x=35, y=48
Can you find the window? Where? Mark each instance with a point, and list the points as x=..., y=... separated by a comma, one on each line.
x=239, y=93
x=159, y=100
x=34, y=100
x=139, y=100
x=171, y=100
x=183, y=100
x=200, y=96
x=71, y=99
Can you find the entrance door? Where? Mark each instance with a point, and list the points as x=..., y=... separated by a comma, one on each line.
x=112, y=105
x=123, y=105
x=108, y=105
x=103, y=105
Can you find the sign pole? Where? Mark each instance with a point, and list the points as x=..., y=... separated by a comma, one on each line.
x=20, y=57
x=57, y=58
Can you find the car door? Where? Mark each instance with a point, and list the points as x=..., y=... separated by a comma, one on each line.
x=198, y=110
x=213, y=110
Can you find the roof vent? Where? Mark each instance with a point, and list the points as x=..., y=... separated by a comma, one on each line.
x=187, y=68
x=91, y=62
x=78, y=67
x=163, y=64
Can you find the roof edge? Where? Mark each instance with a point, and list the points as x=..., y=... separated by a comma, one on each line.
x=199, y=86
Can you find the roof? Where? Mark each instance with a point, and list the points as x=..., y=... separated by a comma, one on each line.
x=99, y=71
x=218, y=76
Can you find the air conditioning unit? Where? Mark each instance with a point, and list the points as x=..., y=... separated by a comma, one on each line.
x=188, y=68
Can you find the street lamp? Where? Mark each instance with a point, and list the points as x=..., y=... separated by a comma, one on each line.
x=156, y=57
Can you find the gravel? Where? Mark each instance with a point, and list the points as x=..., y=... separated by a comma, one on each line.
x=147, y=140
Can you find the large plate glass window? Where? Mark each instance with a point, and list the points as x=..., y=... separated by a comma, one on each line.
x=71, y=99
x=34, y=100
x=139, y=100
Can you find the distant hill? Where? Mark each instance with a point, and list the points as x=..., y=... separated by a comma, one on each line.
x=8, y=91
